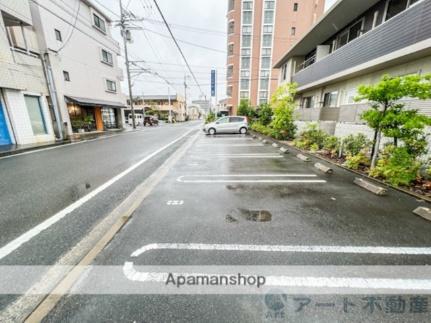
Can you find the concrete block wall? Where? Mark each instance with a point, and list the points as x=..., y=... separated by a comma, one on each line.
x=20, y=120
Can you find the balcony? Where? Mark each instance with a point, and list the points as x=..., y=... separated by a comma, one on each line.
x=408, y=28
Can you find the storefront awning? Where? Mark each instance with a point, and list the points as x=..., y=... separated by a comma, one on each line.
x=94, y=102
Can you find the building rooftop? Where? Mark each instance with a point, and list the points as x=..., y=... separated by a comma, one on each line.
x=156, y=97
x=334, y=20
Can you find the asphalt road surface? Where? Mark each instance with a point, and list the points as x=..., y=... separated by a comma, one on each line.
x=222, y=201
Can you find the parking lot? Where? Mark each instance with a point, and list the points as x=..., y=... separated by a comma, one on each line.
x=235, y=201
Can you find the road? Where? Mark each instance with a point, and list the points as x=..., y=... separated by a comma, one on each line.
x=219, y=201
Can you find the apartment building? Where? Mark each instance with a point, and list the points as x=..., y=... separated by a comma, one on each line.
x=166, y=106
x=259, y=33
x=81, y=57
x=372, y=38
x=25, y=116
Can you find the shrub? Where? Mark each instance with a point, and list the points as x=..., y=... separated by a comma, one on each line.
x=355, y=161
x=332, y=145
x=283, y=102
x=265, y=114
x=396, y=166
x=312, y=136
x=261, y=129
x=211, y=117
x=246, y=110
x=353, y=144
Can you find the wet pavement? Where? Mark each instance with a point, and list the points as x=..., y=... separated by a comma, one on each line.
x=234, y=191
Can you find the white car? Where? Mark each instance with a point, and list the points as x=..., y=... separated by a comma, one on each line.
x=227, y=125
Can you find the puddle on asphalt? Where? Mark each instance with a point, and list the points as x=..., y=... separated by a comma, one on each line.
x=249, y=215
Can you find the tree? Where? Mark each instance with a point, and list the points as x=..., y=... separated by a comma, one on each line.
x=283, y=103
x=387, y=115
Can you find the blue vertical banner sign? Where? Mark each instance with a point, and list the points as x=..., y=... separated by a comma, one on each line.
x=213, y=83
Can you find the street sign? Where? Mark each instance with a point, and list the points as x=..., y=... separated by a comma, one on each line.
x=213, y=83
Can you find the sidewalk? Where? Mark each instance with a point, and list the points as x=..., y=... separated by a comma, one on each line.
x=9, y=150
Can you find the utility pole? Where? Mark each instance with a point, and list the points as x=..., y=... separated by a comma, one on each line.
x=170, y=106
x=124, y=32
x=185, y=94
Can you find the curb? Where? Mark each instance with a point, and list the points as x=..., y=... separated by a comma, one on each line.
x=401, y=190
x=423, y=212
x=24, y=150
x=370, y=186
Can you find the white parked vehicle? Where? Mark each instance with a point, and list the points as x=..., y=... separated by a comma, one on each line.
x=227, y=125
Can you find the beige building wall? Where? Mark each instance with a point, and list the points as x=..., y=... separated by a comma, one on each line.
x=292, y=19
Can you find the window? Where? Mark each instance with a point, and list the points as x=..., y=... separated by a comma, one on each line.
x=231, y=27
x=269, y=5
x=245, y=73
x=247, y=5
x=66, y=76
x=266, y=62
x=245, y=63
x=99, y=23
x=230, y=49
x=308, y=102
x=111, y=86
x=246, y=41
x=268, y=17
x=245, y=84
x=264, y=74
x=330, y=99
x=395, y=7
x=247, y=18
x=293, y=31
x=245, y=51
x=35, y=112
x=266, y=51
x=355, y=31
x=343, y=39
x=264, y=84
x=267, y=41
x=229, y=71
x=295, y=6
x=263, y=94
x=268, y=29
x=246, y=30
x=223, y=120
x=236, y=119
x=231, y=5
x=107, y=57
x=58, y=35
x=244, y=94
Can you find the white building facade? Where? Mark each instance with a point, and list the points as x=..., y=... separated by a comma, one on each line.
x=25, y=115
x=373, y=38
x=82, y=66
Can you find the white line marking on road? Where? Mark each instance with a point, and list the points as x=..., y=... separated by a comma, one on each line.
x=294, y=281
x=252, y=175
x=267, y=181
x=175, y=202
x=19, y=241
x=280, y=248
x=230, y=145
x=253, y=156
x=269, y=178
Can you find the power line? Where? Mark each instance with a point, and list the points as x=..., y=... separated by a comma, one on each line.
x=178, y=46
x=73, y=28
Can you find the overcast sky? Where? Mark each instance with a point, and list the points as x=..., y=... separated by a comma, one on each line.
x=196, y=24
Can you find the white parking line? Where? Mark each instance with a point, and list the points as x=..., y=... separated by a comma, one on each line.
x=382, y=250
x=252, y=178
x=244, y=156
x=365, y=283
x=18, y=242
x=358, y=283
x=230, y=145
